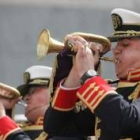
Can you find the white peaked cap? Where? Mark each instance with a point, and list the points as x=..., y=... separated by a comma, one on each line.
x=36, y=75
x=127, y=16
x=38, y=71
x=126, y=24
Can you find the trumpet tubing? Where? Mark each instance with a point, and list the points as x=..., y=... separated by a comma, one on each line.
x=106, y=45
x=46, y=44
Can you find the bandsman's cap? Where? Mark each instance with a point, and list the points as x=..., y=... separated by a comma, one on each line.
x=8, y=91
x=35, y=76
x=126, y=24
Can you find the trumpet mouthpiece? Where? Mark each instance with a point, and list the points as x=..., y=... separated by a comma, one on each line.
x=109, y=59
x=22, y=103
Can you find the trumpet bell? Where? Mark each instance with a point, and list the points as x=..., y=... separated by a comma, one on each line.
x=8, y=92
x=46, y=44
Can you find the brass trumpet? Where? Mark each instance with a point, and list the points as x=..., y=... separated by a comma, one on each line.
x=46, y=44
x=8, y=92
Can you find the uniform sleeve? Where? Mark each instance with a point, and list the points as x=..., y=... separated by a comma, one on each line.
x=61, y=119
x=119, y=115
x=64, y=99
x=9, y=130
x=18, y=135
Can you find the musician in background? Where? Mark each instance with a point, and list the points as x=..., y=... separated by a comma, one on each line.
x=36, y=95
x=12, y=95
x=9, y=96
x=109, y=114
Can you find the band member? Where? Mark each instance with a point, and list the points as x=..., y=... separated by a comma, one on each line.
x=9, y=96
x=35, y=92
x=108, y=114
x=12, y=95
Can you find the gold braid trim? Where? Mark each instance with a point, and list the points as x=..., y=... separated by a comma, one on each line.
x=135, y=94
x=126, y=33
x=55, y=66
x=97, y=131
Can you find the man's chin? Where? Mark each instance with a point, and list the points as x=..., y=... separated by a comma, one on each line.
x=26, y=114
x=29, y=111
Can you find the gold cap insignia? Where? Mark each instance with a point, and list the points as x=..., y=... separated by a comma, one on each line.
x=26, y=77
x=117, y=21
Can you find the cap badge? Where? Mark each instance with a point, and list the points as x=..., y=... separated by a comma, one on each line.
x=26, y=77
x=117, y=21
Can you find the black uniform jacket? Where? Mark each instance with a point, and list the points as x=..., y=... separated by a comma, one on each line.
x=118, y=117
x=20, y=135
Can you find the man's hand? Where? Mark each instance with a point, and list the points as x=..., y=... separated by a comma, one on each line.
x=2, y=110
x=6, y=103
x=87, y=57
x=87, y=54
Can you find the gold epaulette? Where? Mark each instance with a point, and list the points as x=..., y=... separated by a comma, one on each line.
x=39, y=121
x=23, y=124
x=123, y=84
x=28, y=126
x=42, y=136
x=135, y=94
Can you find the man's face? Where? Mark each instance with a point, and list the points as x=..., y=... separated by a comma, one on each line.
x=127, y=52
x=36, y=98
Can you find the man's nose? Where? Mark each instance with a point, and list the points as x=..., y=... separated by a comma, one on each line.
x=116, y=50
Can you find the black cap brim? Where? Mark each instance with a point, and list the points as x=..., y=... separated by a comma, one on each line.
x=23, y=89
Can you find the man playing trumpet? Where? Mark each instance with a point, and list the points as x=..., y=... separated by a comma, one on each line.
x=9, y=96
x=109, y=114
x=35, y=93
